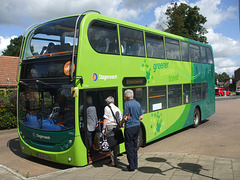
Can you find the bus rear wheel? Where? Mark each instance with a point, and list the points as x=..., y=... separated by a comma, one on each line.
x=196, y=117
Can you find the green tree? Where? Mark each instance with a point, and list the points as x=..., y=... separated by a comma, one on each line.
x=186, y=21
x=221, y=77
x=14, y=48
x=225, y=76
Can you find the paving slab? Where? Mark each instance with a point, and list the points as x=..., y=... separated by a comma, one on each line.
x=164, y=166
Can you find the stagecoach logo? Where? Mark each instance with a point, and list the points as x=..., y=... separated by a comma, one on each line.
x=95, y=77
x=35, y=135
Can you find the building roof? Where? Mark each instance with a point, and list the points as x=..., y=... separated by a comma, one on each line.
x=237, y=70
x=8, y=71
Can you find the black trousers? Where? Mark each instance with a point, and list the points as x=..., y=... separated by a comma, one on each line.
x=91, y=136
x=113, y=150
x=131, y=137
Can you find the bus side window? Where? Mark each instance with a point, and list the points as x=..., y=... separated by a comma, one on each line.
x=209, y=56
x=195, y=53
x=204, y=90
x=157, y=98
x=174, y=95
x=186, y=93
x=185, y=53
x=196, y=92
x=140, y=95
x=124, y=47
x=103, y=37
x=155, y=46
x=134, y=42
x=172, y=49
x=203, y=54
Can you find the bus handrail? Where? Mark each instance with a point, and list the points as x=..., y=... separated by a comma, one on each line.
x=49, y=54
x=74, y=39
x=20, y=53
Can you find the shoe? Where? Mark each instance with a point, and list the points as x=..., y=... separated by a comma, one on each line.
x=111, y=165
x=127, y=169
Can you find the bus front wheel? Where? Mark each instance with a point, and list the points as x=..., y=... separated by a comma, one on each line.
x=196, y=117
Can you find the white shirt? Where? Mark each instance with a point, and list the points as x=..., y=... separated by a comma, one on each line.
x=108, y=114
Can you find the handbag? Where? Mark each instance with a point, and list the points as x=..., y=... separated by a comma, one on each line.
x=115, y=137
x=103, y=145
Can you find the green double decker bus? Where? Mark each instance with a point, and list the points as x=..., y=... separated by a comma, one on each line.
x=64, y=60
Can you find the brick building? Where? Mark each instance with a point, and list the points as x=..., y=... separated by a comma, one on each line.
x=8, y=72
x=237, y=77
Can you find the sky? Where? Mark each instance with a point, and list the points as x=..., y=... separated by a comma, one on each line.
x=222, y=20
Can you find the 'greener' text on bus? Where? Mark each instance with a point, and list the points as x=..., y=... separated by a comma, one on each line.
x=160, y=66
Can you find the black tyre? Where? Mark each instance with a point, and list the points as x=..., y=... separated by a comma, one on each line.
x=196, y=117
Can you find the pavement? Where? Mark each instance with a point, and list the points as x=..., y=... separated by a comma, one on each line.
x=159, y=166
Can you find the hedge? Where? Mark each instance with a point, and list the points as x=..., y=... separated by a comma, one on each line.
x=8, y=113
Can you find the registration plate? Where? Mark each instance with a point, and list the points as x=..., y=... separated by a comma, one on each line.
x=43, y=156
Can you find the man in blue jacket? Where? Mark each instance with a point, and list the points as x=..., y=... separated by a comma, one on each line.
x=132, y=116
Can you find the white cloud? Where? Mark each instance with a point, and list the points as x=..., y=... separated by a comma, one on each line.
x=26, y=12
x=214, y=12
x=23, y=11
x=161, y=19
x=4, y=42
x=226, y=50
x=225, y=65
x=143, y=5
x=208, y=8
x=223, y=46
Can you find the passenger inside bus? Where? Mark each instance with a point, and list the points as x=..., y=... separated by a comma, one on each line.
x=48, y=49
x=92, y=124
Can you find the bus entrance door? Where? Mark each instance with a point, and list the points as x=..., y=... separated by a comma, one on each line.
x=96, y=99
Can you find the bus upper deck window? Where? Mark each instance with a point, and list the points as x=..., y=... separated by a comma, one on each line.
x=209, y=56
x=132, y=43
x=155, y=46
x=172, y=49
x=195, y=53
x=103, y=37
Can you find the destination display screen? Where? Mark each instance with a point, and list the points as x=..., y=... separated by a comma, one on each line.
x=134, y=81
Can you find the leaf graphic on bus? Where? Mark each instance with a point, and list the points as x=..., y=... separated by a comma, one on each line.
x=159, y=124
x=145, y=67
x=148, y=74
